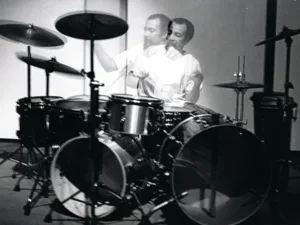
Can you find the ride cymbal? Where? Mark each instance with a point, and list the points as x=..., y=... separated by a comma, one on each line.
x=91, y=25
x=239, y=85
x=49, y=65
x=31, y=35
x=285, y=33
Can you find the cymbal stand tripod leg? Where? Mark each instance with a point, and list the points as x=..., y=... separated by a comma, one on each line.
x=44, y=164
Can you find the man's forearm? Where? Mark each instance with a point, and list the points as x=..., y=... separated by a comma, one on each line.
x=193, y=92
x=105, y=60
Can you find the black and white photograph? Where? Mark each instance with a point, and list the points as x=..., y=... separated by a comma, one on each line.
x=149, y=112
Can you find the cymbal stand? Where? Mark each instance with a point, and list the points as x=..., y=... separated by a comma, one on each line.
x=44, y=163
x=26, y=140
x=283, y=162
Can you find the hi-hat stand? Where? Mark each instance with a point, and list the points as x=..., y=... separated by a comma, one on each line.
x=240, y=86
x=240, y=78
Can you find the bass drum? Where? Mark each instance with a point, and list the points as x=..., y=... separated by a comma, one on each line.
x=223, y=168
x=71, y=172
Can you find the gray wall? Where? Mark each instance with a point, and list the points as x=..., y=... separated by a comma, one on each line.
x=75, y=53
x=225, y=29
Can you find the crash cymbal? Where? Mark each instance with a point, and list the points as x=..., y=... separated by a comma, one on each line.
x=91, y=25
x=239, y=85
x=31, y=35
x=49, y=65
x=286, y=32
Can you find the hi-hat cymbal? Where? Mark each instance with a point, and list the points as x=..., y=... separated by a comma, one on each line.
x=91, y=25
x=49, y=65
x=286, y=32
x=31, y=35
x=239, y=85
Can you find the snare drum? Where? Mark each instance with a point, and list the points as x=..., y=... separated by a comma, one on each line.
x=34, y=121
x=136, y=115
x=70, y=117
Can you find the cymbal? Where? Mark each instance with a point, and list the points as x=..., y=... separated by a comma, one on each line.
x=49, y=65
x=31, y=35
x=91, y=25
x=239, y=85
x=286, y=32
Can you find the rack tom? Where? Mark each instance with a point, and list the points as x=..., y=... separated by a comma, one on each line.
x=135, y=115
x=34, y=118
x=70, y=117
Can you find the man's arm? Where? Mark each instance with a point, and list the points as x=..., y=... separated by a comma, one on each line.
x=131, y=80
x=193, y=88
x=105, y=60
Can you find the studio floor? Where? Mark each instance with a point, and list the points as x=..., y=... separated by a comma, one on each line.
x=11, y=202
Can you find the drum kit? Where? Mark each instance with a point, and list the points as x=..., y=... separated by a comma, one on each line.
x=106, y=156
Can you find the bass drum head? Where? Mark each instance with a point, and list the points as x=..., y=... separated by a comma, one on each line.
x=70, y=173
x=231, y=158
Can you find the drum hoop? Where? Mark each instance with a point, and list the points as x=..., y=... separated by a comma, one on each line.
x=135, y=99
x=123, y=191
x=77, y=97
x=75, y=100
x=24, y=101
x=263, y=146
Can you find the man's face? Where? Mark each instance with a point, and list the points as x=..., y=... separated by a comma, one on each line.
x=176, y=36
x=152, y=33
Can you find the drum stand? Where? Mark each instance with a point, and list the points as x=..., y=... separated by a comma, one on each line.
x=44, y=163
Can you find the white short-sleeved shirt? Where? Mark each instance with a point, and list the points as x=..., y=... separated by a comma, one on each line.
x=167, y=78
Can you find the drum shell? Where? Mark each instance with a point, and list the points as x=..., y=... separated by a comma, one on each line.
x=70, y=118
x=172, y=117
x=239, y=157
x=34, y=120
x=123, y=161
x=133, y=115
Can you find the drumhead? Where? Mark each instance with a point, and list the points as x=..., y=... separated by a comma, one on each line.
x=136, y=98
x=189, y=107
x=81, y=103
x=88, y=97
x=231, y=158
x=39, y=100
x=70, y=174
